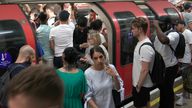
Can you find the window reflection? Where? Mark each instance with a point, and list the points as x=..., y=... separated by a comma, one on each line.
x=128, y=42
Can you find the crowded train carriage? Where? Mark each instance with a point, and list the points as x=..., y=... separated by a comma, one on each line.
x=19, y=21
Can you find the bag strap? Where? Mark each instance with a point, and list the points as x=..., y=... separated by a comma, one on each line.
x=169, y=44
x=146, y=43
x=8, y=72
x=172, y=49
x=150, y=44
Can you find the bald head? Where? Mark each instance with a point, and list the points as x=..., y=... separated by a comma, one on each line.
x=26, y=53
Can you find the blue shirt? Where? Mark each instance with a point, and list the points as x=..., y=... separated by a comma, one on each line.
x=43, y=37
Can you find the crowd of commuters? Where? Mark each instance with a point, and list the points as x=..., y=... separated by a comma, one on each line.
x=66, y=39
x=63, y=40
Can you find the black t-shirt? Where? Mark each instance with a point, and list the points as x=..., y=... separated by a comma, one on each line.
x=79, y=38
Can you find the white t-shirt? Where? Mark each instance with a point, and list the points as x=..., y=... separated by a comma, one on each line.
x=188, y=40
x=165, y=50
x=51, y=21
x=63, y=37
x=147, y=54
x=102, y=38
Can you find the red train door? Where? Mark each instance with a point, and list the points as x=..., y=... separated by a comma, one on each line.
x=15, y=31
x=121, y=15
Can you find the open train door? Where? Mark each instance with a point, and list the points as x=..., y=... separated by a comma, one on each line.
x=162, y=8
x=121, y=42
x=15, y=31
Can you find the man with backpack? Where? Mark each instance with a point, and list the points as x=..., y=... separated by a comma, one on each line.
x=166, y=46
x=24, y=59
x=142, y=64
x=185, y=61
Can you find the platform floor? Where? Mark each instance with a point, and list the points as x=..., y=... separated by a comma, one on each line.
x=188, y=105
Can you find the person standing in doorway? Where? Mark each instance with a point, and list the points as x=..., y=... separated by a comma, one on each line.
x=61, y=37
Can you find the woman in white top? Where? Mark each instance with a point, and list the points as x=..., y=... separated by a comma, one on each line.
x=94, y=40
x=102, y=78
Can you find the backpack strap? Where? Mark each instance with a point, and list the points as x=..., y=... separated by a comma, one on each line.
x=167, y=34
x=10, y=69
x=146, y=43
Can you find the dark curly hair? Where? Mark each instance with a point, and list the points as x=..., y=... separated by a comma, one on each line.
x=70, y=57
x=96, y=25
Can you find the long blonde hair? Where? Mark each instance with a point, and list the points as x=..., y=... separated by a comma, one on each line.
x=94, y=34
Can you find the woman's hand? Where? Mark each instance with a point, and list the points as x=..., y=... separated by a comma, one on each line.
x=110, y=71
x=92, y=104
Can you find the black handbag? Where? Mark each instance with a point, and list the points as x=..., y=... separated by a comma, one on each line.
x=116, y=98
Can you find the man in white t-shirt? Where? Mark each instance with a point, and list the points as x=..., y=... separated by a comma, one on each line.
x=142, y=64
x=61, y=37
x=163, y=44
x=186, y=60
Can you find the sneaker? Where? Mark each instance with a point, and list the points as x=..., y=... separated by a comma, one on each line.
x=181, y=101
x=187, y=95
x=179, y=94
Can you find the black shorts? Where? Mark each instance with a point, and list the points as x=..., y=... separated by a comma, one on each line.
x=142, y=98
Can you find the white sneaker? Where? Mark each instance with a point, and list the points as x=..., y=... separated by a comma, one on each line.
x=179, y=94
x=181, y=101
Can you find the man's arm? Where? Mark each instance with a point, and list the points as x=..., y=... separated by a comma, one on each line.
x=143, y=75
x=75, y=40
x=52, y=44
x=161, y=36
x=146, y=56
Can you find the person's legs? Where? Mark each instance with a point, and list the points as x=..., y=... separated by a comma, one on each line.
x=181, y=101
x=142, y=98
x=166, y=89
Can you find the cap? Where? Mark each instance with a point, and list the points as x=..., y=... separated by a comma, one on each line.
x=189, y=21
x=164, y=19
x=64, y=15
x=187, y=5
x=179, y=22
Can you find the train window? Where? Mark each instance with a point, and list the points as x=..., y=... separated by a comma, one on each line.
x=151, y=16
x=147, y=11
x=11, y=39
x=128, y=43
x=172, y=13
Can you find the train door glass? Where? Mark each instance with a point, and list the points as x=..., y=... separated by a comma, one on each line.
x=11, y=39
x=151, y=16
x=128, y=43
x=172, y=13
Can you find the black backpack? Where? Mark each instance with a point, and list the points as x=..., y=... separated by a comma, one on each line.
x=158, y=71
x=4, y=80
x=180, y=49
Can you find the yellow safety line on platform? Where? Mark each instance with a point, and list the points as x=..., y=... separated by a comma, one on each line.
x=155, y=101
x=178, y=88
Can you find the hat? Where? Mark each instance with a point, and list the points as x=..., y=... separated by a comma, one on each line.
x=179, y=22
x=164, y=19
x=64, y=15
x=187, y=5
